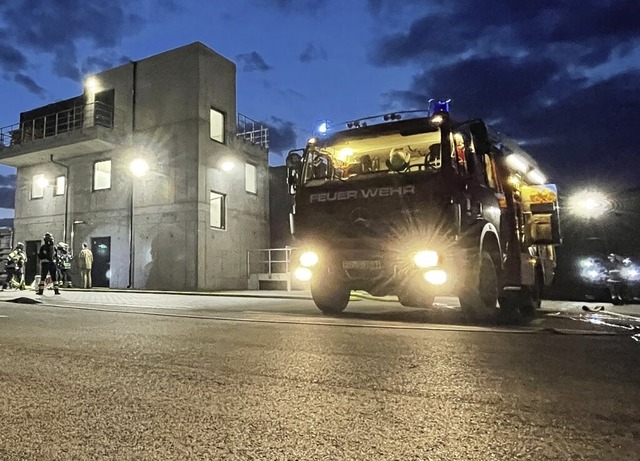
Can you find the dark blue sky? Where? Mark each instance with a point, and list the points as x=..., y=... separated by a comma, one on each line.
x=563, y=78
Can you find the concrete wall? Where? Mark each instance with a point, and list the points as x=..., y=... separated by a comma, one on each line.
x=175, y=247
x=222, y=254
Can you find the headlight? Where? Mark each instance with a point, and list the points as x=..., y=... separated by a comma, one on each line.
x=436, y=277
x=309, y=259
x=303, y=274
x=426, y=258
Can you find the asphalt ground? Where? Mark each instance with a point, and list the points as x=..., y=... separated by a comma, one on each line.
x=121, y=375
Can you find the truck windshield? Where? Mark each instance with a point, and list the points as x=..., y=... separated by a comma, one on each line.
x=352, y=159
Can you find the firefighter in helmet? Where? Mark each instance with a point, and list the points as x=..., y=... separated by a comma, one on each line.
x=14, y=266
x=64, y=265
x=48, y=256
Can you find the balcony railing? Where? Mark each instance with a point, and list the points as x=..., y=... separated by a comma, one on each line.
x=252, y=131
x=76, y=118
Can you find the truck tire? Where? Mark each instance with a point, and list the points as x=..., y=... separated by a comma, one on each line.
x=481, y=292
x=329, y=294
x=521, y=306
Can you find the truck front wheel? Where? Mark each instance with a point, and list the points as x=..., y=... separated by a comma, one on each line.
x=481, y=291
x=329, y=294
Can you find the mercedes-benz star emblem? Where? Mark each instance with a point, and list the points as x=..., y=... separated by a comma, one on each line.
x=359, y=217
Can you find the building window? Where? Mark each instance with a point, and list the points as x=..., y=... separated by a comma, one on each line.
x=102, y=175
x=216, y=122
x=38, y=183
x=250, y=178
x=60, y=185
x=217, y=210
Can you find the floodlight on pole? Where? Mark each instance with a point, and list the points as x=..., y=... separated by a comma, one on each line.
x=589, y=204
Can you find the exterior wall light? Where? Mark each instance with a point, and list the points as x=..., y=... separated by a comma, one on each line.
x=227, y=166
x=42, y=182
x=91, y=83
x=139, y=167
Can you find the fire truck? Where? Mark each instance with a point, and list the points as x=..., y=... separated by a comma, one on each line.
x=416, y=204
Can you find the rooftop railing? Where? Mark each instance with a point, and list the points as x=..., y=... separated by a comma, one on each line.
x=252, y=131
x=47, y=126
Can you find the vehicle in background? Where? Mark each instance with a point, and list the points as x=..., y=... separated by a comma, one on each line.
x=416, y=204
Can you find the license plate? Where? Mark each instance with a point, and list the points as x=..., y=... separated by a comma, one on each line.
x=367, y=264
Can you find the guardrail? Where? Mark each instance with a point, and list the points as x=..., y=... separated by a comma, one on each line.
x=270, y=265
x=252, y=131
x=47, y=126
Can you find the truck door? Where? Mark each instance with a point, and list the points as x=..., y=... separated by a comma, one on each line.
x=481, y=202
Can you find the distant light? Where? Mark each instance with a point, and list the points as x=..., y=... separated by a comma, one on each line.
x=139, y=167
x=518, y=163
x=536, y=177
x=589, y=204
x=514, y=180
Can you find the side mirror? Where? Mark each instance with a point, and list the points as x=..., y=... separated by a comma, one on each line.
x=294, y=163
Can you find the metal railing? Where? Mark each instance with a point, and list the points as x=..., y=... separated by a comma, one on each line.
x=47, y=126
x=252, y=131
x=273, y=264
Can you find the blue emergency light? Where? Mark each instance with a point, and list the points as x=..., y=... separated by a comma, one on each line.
x=322, y=128
x=439, y=106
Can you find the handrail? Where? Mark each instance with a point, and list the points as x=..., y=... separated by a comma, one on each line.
x=270, y=262
x=47, y=126
x=252, y=131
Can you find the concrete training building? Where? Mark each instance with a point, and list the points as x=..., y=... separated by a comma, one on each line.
x=185, y=224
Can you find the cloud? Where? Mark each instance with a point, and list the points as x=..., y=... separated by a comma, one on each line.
x=57, y=28
x=28, y=83
x=252, y=62
x=7, y=190
x=484, y=86
x=292, y=6
x=282, y=135
x=591, y=130
x=313, y=53
x=12, y=58
x=8, y=180
x=575, y=32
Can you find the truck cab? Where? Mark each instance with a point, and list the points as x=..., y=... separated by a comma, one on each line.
x=418, y=205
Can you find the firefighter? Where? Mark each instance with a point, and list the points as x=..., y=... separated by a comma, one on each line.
x=63, y=265
x=48, y=256
x=14, y=266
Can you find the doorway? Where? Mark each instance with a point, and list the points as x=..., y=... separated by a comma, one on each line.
x=101, y=271
x=31, y=268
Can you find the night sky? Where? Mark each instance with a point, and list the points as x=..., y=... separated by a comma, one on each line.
x=563, y=78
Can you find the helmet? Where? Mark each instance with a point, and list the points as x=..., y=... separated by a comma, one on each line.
x=48, y=237
x=398, y=159
x=19, y=246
